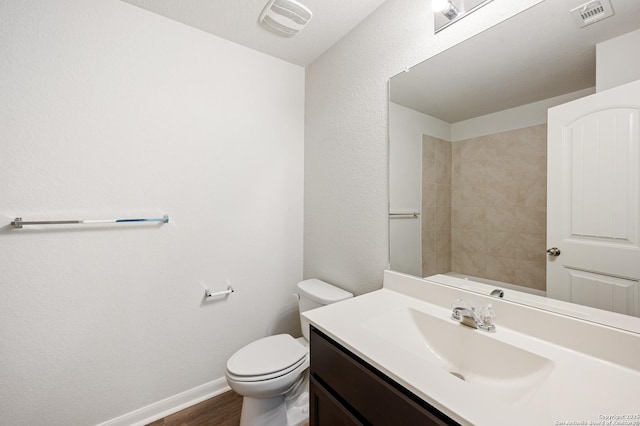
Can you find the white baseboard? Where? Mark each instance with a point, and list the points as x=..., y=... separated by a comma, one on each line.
x=173, y=404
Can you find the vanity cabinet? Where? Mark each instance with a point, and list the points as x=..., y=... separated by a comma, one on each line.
x=344, y=390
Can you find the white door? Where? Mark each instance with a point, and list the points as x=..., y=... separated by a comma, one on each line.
x=593, y=200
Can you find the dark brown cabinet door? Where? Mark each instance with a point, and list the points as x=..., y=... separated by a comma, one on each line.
x=356, y=393
x=325, y=410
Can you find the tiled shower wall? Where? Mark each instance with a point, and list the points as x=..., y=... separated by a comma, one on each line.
x=497, y=206
x=436, y=206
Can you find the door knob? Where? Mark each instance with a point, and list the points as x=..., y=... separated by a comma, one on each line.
x=553, y=251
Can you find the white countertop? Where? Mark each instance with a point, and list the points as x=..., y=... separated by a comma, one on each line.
x=587, y=382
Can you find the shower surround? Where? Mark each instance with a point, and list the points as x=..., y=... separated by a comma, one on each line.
x=492, y=222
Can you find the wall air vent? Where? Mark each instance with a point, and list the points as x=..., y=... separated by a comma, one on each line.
x=592, y=12
x=285, y=17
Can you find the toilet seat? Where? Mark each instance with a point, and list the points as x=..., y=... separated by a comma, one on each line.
x=266, y=358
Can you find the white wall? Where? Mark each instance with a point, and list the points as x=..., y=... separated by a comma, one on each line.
x=618, y=61
x=346, y=141
x=406, y=127
x=108, y=110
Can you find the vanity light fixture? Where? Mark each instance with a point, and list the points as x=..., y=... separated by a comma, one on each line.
x=446, y=12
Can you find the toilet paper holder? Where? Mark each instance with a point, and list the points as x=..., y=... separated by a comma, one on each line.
x=208, y=294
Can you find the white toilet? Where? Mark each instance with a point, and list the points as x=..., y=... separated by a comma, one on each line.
x=271, y=373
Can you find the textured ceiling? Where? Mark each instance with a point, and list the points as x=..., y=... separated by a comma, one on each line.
x=537, y=54
x=237, y=21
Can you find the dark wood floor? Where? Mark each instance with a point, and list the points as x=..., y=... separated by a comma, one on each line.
x=222, y=410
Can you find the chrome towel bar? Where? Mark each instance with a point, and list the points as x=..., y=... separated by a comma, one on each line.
x=19, y=223
x=404, y=214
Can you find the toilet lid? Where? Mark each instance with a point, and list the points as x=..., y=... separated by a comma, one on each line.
x=266, y=355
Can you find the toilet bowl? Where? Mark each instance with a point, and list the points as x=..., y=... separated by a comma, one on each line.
x=272, y=373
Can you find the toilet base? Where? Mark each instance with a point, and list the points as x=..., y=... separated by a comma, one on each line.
x=290, y=409
x=263, y=411
x=297, y=402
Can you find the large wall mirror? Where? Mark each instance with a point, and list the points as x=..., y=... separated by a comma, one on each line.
x=514, y=162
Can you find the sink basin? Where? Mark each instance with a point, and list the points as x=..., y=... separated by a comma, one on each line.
x=496, y=369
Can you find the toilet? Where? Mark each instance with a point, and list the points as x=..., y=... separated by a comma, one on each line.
x=272, y=373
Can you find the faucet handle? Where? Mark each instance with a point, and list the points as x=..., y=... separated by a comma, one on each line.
x=457, y=307
x=459, y=304
x=487, y=315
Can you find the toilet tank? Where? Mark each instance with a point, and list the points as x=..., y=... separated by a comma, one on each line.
x=315, y=293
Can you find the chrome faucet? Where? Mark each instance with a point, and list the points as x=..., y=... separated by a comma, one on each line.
x=483, y=319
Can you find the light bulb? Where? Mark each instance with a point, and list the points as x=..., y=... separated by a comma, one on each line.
x=440, y=5
x=446, y=7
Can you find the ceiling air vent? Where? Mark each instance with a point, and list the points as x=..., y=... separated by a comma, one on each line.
x=592, y=12
x=285, y=17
